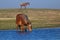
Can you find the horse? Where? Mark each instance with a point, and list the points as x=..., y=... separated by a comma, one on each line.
x=22, y=22
x=24, y=4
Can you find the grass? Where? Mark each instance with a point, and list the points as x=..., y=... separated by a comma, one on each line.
x=40, y=18
x=7, y=24
x=10, y=24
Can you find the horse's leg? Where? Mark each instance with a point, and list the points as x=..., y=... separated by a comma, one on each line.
x=21, y=7
x=30, y=27
x=22, y=28
x=16, y=27
x=25, y=7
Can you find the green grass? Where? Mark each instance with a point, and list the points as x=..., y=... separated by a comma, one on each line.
x=10, y=24
x=7, y=24
x=40, y=18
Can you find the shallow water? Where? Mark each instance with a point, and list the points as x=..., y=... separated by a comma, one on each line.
x=36, y=34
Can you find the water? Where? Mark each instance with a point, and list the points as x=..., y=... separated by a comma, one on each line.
x=36, y=34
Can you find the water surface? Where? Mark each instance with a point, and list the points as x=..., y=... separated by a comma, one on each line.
x=36, y=34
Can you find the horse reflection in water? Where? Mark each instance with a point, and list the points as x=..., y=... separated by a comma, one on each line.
x=23, y=23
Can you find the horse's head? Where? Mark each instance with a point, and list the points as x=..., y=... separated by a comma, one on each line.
x=30, y=27
x=28, y=3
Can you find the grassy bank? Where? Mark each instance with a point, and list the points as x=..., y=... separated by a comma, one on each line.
x=40, y=18
x=10, y=24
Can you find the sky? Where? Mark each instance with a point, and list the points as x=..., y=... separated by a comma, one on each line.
x=49, y=4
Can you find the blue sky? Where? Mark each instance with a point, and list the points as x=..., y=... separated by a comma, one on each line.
x=50, y=4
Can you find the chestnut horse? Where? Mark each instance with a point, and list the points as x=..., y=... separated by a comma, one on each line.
x=22, y=21
x=24, y=4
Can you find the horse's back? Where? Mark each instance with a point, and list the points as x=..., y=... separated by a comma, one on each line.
x=22, y=19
